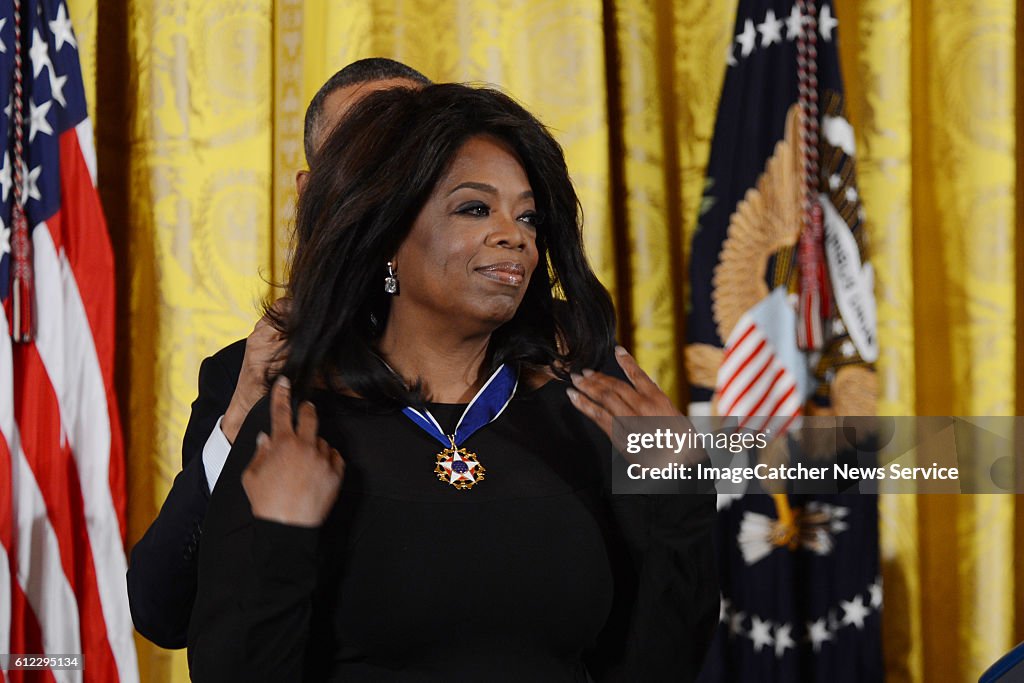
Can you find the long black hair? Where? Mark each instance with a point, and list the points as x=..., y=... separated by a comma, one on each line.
x=368, y=182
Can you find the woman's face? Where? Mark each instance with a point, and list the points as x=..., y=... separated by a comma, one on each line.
x=472, y=249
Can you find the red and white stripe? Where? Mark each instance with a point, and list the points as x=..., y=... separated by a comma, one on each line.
x=61, y=455
x=753, y=384
x=7, y=502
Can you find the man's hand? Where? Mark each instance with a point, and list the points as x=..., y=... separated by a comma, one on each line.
x=294, y=477
x=260, y=347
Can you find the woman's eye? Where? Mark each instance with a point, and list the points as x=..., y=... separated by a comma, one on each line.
x=531, y=218
x=474, y=209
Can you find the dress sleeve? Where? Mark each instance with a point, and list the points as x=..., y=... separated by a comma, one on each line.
x=254, y=607
x=667, y=599
x=278, y=609
x=675, y=607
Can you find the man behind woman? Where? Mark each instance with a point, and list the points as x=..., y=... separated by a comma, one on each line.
x=162, y=576
x=444, y=512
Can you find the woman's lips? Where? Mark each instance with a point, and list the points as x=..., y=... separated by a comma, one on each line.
x=507, y=273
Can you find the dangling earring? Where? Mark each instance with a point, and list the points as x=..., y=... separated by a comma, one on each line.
x=391, y=281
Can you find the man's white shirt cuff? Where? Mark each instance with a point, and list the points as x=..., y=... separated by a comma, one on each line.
x=215, y=454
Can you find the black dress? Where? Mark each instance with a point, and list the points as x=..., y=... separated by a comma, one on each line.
x=535, y=574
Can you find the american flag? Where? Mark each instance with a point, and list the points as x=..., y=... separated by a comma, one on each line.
x=753, y=383
x=62, y=489
x=782, y=327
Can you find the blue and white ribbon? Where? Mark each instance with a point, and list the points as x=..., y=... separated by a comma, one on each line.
x=490, y=402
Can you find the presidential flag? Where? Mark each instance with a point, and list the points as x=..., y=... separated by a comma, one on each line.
x=62, y=489
x=782, y=327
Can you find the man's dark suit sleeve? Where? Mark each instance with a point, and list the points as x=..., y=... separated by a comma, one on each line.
x=253, y=613
x=218, y=376
x=162, y=573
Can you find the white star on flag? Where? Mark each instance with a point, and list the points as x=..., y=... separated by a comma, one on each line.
x=770, y=30
x=851, y=194
x=730, y=59
x=61, y=27
x=854, y=612
x=794, y=23
x=736, y=623
x=818, y=633
x=876, y=593
x=826, y=22
x=834, y=181
x=38, y=122
x=783, y=639
x=723, y=611
x=833, y=619
x=57, y=87
x=748, y=38
x=30, y=187
x=5, y=176
x=847, y=348
x=39, y=53
x=5, y=239
x=3, y=45
x=761, y=633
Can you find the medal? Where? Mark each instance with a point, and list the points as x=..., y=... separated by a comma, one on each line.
x=459, y=467
x=455, y=465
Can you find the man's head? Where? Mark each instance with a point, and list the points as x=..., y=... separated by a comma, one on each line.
x=348, y=86
x=343, y=90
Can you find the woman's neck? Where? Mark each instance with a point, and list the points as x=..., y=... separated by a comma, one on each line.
x=448, y=364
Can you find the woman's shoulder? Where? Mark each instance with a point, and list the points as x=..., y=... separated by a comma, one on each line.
x=534, y=377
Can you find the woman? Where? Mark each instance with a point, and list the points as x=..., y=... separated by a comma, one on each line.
x=452, y=520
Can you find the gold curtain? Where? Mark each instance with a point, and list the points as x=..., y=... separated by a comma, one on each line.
x=198, y=109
